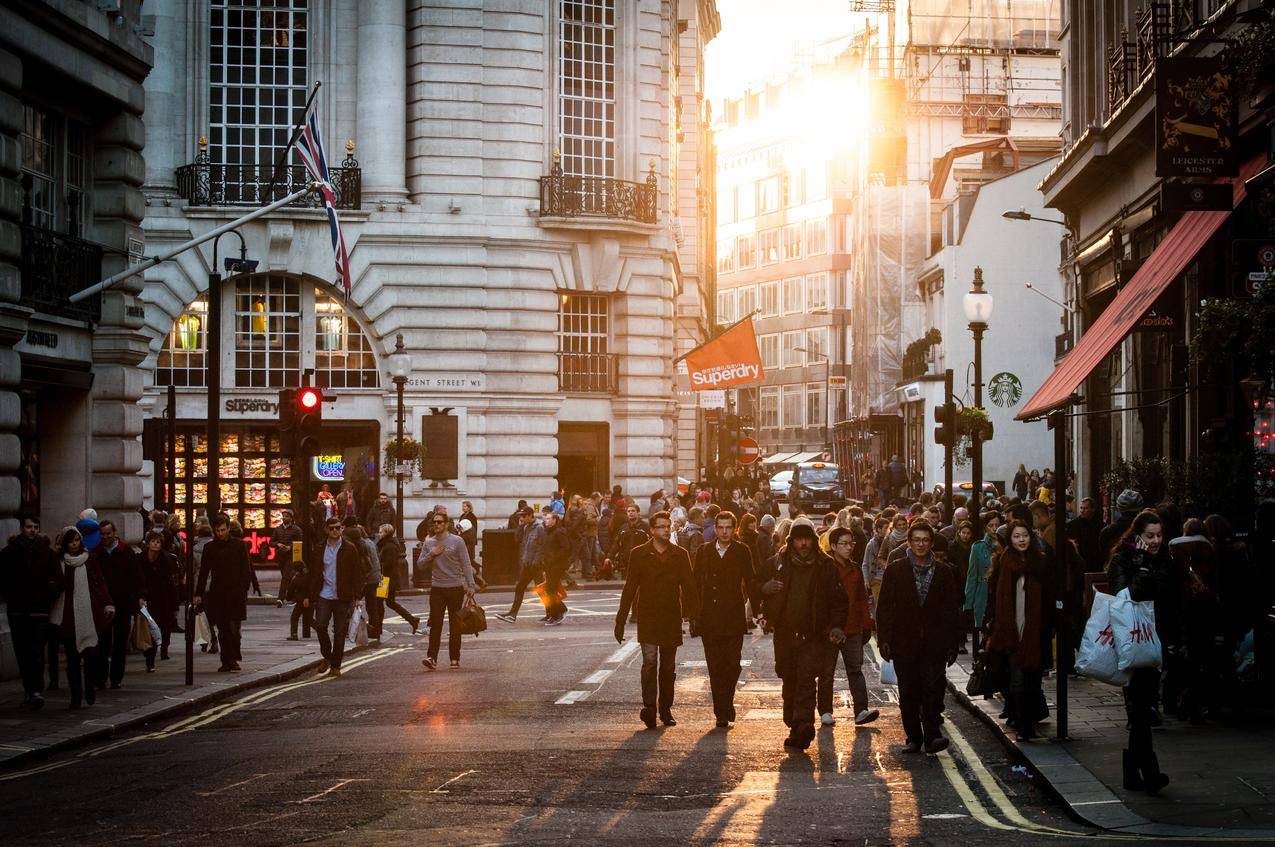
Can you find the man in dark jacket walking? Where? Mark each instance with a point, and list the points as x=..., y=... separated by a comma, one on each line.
x=225, y=573
x=918, y=628
x=30, y=580
x=661, y=583
x=382, y=512
x=531, y=540
x=1128, y=504
x=336, y=586
x=281, y=540
x=632, y=534
x=807, y=608
x=122, y=568
x=724, y=579
x=556, y=558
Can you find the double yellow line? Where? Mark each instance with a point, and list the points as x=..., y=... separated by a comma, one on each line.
x=208, y=716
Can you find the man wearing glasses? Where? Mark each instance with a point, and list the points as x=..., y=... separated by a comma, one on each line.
x=335, y=589
x=451, y=585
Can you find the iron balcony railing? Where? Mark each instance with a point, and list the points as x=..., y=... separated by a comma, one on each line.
x=591, y=373
x=55, y=266
x=1129, y=62
x=565, y=196
x=204, y=183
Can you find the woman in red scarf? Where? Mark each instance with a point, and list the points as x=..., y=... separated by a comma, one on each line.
x=1020, y=626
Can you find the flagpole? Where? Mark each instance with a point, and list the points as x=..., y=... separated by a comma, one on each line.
x=746, y=317
x=296, y=131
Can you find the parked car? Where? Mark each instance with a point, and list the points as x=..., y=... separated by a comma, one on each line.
x=779, y=484
x=967, y=487
x=817, y=488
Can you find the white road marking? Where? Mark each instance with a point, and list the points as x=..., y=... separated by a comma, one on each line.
x=439, y=789
x=571, y=697
x=703, y=663
x=626, y=650
x=252, y=778
x=361, y=712
x=341, y=783
x=597, y=677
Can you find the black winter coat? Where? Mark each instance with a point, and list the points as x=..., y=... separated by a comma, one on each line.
x=30, y=576
x=162, y=578
x=122, y=569
x=908, y=631
x=555, y=555
x=662, y=589
x=723, y=584
x=225, y=574
x=828, y=607
x=1154, y=578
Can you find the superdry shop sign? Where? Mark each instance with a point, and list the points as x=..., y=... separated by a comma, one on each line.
x=728, y=360
x=1195, y=118
x=251, y=406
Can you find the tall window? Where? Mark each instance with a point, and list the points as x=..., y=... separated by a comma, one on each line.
x=768, y=245
x=745, y=251
x=793, y=358
x=725, y=256
x=769, y=299
x=792, y=242
x=584, y=333
x=768, y=198
x=816, y=237
x=793, y=302
x=258, y=85
x=817, y=291
x=769, y=350
x=769, y=408
x=792, y=189
x=181, y=359
x=817, y=342
x=747, y=303
x=586, y=105
x=793, y=406
x=815, y=404
x=54, y=170
x=267, y=331
x=726, y=306
x=343, y=356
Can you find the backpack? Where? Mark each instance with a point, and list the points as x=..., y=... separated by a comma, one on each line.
x=365, y=567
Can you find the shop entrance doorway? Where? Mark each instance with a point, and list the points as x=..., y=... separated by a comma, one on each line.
x=584, y=452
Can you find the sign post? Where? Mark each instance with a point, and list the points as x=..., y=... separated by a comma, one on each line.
x=749, y=450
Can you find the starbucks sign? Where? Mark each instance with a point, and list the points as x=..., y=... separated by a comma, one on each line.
x=1005, y=389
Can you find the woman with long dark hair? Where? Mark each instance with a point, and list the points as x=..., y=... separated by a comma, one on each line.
x=159, y=570
x=1141, y=563
x=80, y=614
x=1019, y=630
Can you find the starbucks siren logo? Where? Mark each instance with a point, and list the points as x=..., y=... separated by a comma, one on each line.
x=1005, y=389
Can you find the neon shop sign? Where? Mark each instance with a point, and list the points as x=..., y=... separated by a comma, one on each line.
x=329, y=467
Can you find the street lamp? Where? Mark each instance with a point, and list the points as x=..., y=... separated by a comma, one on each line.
x=1021, y=214
x=400, y=366
x=827, y=368
x=978, y=310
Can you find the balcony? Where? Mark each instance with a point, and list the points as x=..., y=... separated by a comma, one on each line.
x=1131, y=62
x=592, y=197
x=204, y=183
x=55, y=266
x=587, y=373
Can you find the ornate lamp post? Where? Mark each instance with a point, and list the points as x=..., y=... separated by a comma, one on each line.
x=400, y=366
x=978, y=310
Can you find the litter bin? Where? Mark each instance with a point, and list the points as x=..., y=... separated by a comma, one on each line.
x=500, y=556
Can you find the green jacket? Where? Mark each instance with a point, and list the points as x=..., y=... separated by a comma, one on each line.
x=976, y=580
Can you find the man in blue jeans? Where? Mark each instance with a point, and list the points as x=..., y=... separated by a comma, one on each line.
x=335, y=587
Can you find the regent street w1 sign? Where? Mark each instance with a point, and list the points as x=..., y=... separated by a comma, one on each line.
x=1195, y=117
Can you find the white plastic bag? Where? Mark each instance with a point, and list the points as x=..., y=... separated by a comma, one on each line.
x=203, y=632
x=358, y=627
x=156, y=635
x=1133, y=622
x=1097, y=658
x=888, y=676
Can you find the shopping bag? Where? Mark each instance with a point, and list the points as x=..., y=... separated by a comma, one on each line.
x=1097, y=658
x=473, y=618
x=988, y=676
x=383, y=588
x=888, y=676
x=357, y=631
x=1133, y=623
x=141, y=640
x=203, y=631
x=157, y=635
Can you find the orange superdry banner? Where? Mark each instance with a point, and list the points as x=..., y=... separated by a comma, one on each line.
x=728, y=360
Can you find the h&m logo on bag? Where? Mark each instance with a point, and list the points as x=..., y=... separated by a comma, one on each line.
x=1141, y=633
x=1106, y=637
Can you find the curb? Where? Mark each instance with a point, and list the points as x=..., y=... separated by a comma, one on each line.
x=1086, y=799
x=109, y=727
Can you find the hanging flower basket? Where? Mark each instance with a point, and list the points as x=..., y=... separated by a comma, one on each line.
x=973, y=421
x=413, y=454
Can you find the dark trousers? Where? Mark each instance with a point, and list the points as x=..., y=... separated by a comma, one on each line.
x=1140, y=704
x=392, y=603
x=285, y=578
x=1024, y=698
x=525, y=579
x=659, y=670
x=28, y=632
x=851, y=652
x=375, y=612
x=81, y=669
x=446, y=600
x=337, y=614
x=921, y=684
x=799, y=668
x=112, y=645
x=231, y=635
x=304, y=615
x=722, y=653
x=553, y=586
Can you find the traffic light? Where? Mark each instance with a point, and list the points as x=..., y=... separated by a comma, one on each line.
x=945, y=417
x=728, y=440
x=287, y=421
x=309, y=412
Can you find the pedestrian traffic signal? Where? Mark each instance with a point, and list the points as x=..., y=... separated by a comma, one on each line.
x=945, y=432
x=308, y=408
x=287, y=421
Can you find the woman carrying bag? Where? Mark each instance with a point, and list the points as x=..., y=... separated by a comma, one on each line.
x=393, y=556
x=80, y=614
x=159, y=569
x=1021, y=598
x=1141, y=563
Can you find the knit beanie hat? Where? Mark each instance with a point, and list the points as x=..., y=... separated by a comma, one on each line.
x=1129, y=501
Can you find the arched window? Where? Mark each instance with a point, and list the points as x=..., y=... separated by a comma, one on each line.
x=275, y=326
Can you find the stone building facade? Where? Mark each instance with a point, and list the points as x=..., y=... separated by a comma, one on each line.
x=514, y=194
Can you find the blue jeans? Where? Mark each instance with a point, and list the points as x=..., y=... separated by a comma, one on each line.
x=332, y=646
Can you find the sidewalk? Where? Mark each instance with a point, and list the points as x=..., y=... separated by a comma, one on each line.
x=1223, y=779
x=144, y=697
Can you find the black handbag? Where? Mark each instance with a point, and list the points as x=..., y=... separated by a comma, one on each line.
x=473, y=618
x=989, y=675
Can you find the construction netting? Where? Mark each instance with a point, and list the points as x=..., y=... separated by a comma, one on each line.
x=1018, y=24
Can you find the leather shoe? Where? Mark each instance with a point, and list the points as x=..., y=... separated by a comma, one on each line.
x=648, y=718
x=912, y=747
x=667, y=719
x=936, y=745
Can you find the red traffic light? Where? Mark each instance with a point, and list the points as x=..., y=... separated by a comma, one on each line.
x=309, y=398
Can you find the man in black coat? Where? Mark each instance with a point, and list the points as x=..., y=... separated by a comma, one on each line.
x=632, y=534
x=281, y=540
x=122, y=568
x=807, y=607
x=919, y=629
x=724, y=578
x=381, y=512
x=225, y=573
x=1084, y=529
x=336, y=586
x=555, y=558
x=660, y=581
x=30, y=580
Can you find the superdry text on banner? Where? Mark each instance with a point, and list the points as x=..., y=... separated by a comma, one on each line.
x=730, y=359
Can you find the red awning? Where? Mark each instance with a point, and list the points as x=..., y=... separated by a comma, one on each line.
x=1170, y=257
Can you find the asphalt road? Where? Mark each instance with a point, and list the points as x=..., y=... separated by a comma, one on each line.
x=534, y=740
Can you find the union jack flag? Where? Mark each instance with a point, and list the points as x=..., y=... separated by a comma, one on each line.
x=310, y=148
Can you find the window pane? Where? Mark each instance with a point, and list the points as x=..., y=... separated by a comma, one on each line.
x=343, y=355
x=267, y=331
x=586, y=76
x=181, y=360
